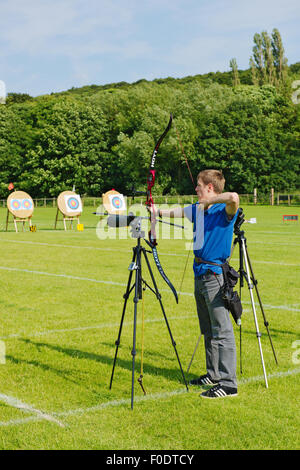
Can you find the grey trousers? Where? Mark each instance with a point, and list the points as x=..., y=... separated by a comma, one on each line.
x=217, y=329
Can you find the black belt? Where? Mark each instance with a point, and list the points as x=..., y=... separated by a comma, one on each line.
x=202, y=261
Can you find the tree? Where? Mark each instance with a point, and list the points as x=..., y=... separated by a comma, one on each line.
x=280, y=61
x=235, y=73
x=254, y=72
x=268, y=64
x=258, y=56
x=268, y=58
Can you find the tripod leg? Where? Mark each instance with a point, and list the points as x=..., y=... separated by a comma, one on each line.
x=189, y=366
x=241, y=355
x=137, y=294
x=126, y=296
x=164, y=314
x=266, y=323
x=258, y=334
x=241, y=283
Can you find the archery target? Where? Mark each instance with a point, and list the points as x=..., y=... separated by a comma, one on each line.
x=20, y=204
x=69, y=203
x=114, y=202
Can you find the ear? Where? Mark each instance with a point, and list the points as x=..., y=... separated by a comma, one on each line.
x=210, y=187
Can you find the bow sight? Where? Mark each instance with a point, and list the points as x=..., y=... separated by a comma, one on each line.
x=239, y=221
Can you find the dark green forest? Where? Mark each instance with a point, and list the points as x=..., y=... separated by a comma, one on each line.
x=244, y=122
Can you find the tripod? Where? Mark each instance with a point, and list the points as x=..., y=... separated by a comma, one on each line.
x=136, y=266
x=248, y=275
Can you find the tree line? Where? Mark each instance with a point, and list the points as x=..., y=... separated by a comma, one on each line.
x=99, y=137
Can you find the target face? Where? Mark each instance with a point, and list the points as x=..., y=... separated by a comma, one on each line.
x=16, y=204
x=27, y=204
x=117, y=202
x=21, y=204
x=73, y=203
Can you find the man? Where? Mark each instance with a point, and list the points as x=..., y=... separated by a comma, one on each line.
x=220, y=212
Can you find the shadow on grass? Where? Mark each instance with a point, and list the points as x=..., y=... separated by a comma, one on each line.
x=169, y=373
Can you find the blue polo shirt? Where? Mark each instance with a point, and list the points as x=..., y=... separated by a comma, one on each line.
x=218, y=233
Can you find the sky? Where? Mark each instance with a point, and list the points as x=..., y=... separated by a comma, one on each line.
x=53, y=45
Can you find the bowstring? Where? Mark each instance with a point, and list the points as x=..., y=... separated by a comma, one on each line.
x=192, y=179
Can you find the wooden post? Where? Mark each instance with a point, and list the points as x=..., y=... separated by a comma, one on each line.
x=56, y=219
x=272, y=197
x=255, y=196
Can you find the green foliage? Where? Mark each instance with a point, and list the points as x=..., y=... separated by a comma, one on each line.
x=18, y=98
x=100, y=137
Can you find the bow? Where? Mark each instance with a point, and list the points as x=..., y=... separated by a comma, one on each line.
x=194, y=186
x=150, y=204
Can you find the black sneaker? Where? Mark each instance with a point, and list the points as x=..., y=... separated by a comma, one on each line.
x=203, y=380
x=219, y=391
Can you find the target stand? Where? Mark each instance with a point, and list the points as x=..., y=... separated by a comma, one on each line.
x=70, y=206
x=20, y=206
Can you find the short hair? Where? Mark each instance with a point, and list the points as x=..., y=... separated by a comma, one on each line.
x=215, y=177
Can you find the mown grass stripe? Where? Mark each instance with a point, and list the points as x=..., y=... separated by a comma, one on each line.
x=120, y=284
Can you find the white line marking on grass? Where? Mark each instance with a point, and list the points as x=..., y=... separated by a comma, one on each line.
x=120, y=284
x=93, y=327
x=277, y=233
x=67, y=276
x=277, y=263
x=138, y=399
x=274, y=307
x=183, y=255
x=276, y=375
x=15, y=403
x=275, y=243
x=59, y=245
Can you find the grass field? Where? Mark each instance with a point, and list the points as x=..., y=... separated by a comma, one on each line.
x=61, y=303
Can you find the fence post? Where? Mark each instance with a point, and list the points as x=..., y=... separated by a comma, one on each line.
x=255, y=196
